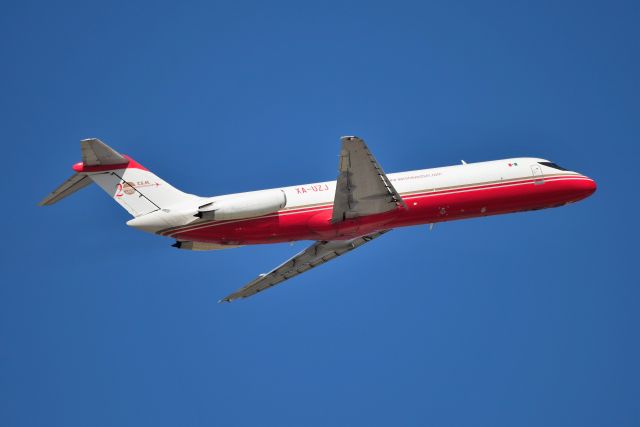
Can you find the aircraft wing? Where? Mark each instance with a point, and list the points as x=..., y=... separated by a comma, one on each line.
x=316, y=254
x=362, y=187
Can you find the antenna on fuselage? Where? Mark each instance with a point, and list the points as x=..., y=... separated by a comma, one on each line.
x=463, y=162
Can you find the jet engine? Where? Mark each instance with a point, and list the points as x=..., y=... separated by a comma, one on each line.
x=245, y=205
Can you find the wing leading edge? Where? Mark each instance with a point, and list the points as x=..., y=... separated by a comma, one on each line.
x=316, y=254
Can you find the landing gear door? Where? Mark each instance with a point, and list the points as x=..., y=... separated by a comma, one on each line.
x=538, y=176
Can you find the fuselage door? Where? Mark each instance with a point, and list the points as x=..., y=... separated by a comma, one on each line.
x=538, y=176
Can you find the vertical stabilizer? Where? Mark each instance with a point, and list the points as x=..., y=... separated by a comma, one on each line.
x=130, y=184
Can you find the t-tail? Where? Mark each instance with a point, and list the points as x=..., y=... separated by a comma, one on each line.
x=130, y=184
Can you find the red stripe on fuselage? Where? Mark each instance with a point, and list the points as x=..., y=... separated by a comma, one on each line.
x=312, y=223
x=406, y=196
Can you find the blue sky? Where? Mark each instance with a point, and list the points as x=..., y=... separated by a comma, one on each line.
x=529, y=319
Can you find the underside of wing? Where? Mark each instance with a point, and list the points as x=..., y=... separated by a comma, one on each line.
x=316, y=254
x=362, y=187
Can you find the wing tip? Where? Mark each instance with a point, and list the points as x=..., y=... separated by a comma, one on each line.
x=350, y=138
x=87, y=140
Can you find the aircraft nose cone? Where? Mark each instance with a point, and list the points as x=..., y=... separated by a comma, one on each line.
x=591, y=186
x=586, y=187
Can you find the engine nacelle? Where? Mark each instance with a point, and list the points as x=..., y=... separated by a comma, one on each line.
x=245, y=205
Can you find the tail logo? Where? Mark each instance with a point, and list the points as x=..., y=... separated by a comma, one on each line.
x=126, y=187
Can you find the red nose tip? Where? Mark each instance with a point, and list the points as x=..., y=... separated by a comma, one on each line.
x=587, y=187
x=591, y=186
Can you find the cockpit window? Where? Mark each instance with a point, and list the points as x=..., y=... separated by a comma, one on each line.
x=553, y=165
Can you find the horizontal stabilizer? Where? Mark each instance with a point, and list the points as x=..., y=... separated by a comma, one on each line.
x=97, y=153
x=70, y=186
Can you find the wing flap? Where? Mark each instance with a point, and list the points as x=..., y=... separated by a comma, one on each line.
x=313, y=256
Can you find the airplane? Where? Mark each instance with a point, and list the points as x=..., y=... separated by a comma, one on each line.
x=362, y=204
